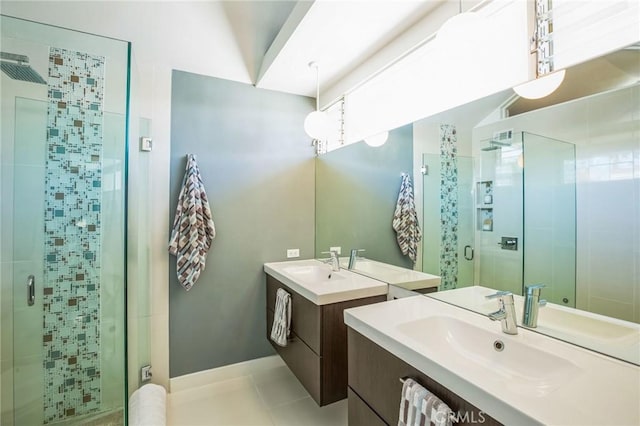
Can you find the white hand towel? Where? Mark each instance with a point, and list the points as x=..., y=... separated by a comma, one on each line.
x=405, y=220
x=193, y=229
x=281, y=327
x=148, y=406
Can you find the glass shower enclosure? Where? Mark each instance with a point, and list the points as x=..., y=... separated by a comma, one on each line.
x=64, y=101
x=515, y=217
x=526, y=216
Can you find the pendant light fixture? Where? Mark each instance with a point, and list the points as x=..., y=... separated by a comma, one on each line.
x=377, y=140
x=541, y=86
x=459, y=30
x=316, y=123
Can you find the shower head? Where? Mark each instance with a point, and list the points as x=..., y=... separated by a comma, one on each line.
x=493, y=145
x=17, y=67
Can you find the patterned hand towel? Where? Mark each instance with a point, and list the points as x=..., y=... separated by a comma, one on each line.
x=405, y=220
x=434, y=412
x=193, y=229
x=419, y=407
x=407, y=407
x=281, y=327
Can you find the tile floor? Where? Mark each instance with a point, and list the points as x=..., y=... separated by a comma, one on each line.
x=269, y=397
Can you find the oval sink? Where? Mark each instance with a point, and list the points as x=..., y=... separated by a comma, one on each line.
x=524, y=369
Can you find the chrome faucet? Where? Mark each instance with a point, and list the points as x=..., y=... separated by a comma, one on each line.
x=333, y=259
x=353, y=258
x=507, y=312
x=531, y=304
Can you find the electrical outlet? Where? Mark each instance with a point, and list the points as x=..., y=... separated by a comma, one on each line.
x=338, y=249
x=293, y=253
x=145, y=373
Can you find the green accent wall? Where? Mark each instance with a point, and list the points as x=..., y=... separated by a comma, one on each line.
x=356, y=193
x=258, y=169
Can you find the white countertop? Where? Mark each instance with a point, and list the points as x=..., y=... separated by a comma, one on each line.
x=303, y=277
x=592, y=389
x=394, y=275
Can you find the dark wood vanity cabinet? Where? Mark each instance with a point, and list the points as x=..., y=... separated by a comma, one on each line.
x=317, y=349
x=375, y=388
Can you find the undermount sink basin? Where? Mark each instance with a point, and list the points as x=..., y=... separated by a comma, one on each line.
x=314, y=273
x=523, y=368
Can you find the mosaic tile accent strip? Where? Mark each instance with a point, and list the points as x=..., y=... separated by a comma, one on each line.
x=73, y=180
x=448, y=206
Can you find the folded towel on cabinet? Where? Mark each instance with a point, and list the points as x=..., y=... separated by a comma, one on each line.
x=419, y=407
x=281, y=327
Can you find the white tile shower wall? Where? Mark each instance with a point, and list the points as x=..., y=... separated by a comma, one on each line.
x=606, y=131
x=608, y=193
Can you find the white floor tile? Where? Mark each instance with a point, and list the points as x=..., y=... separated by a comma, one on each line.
x=306, y=412
x=279, y=386
x=266, y=397
x=231, y=403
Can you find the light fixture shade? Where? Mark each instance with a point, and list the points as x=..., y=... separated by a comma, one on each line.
x=316, y=124
x=377, y=140
x=540, y=87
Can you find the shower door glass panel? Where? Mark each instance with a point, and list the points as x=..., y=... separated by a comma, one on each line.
x=550, y=217
x=63, y=229
x=499, y=176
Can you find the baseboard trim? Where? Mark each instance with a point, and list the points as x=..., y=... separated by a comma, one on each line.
x=227, y=372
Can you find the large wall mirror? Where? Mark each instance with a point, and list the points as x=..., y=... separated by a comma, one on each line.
x=545, y=191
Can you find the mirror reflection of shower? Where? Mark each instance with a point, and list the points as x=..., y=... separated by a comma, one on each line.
x=17, y=67
x=495, y=145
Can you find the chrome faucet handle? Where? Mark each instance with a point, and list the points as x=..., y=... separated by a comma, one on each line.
x=353, y=258
x=499, y=294
x=532, y=303
x=507, y=312
x=334, y=259
x=533, y=287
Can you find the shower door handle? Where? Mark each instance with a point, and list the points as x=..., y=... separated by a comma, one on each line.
x=468, y=257
x=31, y=290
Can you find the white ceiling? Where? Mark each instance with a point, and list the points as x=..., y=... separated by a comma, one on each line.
x=339, y=36
x=234, y=39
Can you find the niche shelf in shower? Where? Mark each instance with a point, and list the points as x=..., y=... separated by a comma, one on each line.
x=484, y=193
x=485, y=219
x=484, y=205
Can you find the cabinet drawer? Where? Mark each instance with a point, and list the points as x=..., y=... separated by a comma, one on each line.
x=374, y=374
x=305, y=315
x=300, y=359
x=360, y=414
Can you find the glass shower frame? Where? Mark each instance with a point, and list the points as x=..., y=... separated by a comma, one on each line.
x=23, y=153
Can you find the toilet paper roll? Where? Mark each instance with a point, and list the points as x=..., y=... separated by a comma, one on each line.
x=148, y=406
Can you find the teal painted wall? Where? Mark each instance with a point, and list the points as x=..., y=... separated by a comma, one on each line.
x=356, y=192
x=257, y=165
